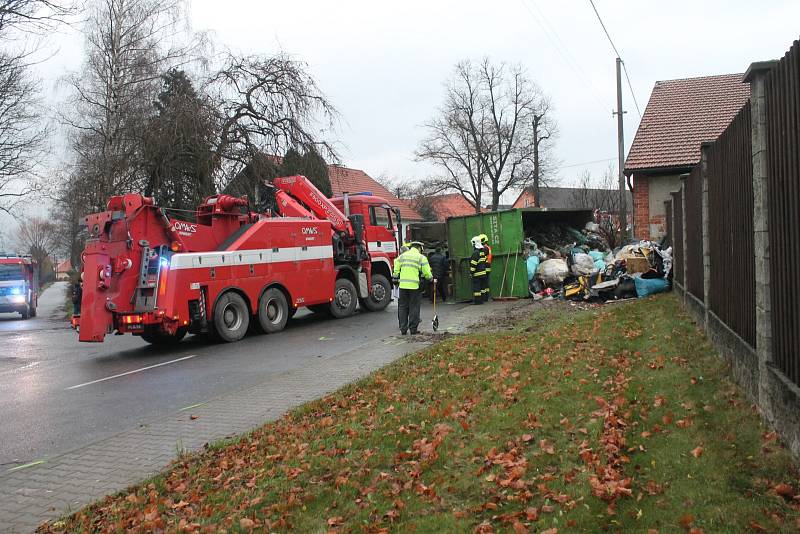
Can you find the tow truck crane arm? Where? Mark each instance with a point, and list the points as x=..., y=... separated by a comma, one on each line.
x=290, y=189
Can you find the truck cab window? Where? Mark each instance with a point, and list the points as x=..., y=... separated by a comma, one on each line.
x=379, y=216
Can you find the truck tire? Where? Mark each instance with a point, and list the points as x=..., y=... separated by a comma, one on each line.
x=273, y=311
x=157, y=337
x=231, y=317
x=345, y=299
x=380, y=294
x=33, y=312
x=25, y=313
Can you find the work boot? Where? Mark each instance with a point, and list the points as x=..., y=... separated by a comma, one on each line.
x=403, y=332
x=414, y=332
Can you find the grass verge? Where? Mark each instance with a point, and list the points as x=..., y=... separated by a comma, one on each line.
x=621, y=419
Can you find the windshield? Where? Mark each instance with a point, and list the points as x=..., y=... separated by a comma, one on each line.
x=11, y=272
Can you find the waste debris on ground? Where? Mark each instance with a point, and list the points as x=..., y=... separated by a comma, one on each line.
x=578, y=265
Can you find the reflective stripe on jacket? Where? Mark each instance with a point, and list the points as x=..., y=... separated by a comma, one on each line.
x=408, y=266
x=477, y=263
x=487, y=252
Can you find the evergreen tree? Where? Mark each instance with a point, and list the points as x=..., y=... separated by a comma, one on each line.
x=311, y=165
x=178, y=145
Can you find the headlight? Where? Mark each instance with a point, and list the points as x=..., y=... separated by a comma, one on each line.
x=16, y=291
x=18, y=299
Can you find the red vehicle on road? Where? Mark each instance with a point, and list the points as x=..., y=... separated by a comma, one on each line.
x=19, y=285
x=230, y=270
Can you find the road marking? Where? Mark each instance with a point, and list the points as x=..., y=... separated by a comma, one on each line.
x=193, y=406
x=23, y=466
x=131, y=372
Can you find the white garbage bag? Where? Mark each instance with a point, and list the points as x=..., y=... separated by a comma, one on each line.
x=582, y=265
x=553, y=271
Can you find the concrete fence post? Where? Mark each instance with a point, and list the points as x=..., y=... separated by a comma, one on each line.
x=705, y=148
x=756, y=75
x=685, y=236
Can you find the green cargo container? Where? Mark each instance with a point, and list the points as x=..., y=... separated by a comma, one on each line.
x=506, y=230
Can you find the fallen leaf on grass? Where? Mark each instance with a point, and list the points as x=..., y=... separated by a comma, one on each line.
x=547, y=447
x=246, y=523
x=686, y=520
x=756, y=527
x=335, y=521
x=532, y=514
x=519, y=528
x=553, y=530
x=784, y=490
x=697, y=452
x=526, y=437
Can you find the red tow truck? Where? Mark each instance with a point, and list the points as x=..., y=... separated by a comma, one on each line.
x=230, y=270
x=19, y=285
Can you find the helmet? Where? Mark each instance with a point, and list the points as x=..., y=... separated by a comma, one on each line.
x=484, y=238
x=417, y=244
x=476, y=242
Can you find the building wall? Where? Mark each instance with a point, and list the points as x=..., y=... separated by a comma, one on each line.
x=649, y=194
x=659, y=189
x=641, y=207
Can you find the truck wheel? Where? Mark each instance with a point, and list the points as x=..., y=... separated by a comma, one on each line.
x=345, y=299
x=231, y=317
x=26, y=313
x=156, y=337
x=273, y=310
x=380, y=294
x=33, y=312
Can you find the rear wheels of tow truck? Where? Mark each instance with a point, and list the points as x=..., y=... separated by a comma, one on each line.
x=273, y=311
x=157, y=337
x=345, y=299
x=380, y=294
x=231, y=317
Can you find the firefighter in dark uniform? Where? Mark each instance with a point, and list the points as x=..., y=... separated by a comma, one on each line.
x=487, y=257
x=477, y=268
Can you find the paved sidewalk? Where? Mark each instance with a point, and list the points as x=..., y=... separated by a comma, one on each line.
x=32, y=494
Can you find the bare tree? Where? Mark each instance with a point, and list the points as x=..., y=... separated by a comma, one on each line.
x=491, y=133
x=267, y=104
x=129, y=45
x=39, y=238
x=22, y=129
x=544, y=131
x=602, y=197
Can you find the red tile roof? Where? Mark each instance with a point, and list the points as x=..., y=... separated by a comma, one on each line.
x=348, y=180
x=64, y=266
x=680, y=115
x=451, y=205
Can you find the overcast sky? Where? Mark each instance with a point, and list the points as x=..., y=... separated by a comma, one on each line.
x=383, y=64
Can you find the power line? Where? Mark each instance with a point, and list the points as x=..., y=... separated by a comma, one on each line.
x=564, y=53
x=585, y=163
x=605, y=30
x=630, y=86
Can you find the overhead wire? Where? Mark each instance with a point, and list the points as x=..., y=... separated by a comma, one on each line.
x=562, y=50
x=627, y=77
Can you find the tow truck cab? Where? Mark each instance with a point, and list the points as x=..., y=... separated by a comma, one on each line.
x=19, y=285
x=381, y=228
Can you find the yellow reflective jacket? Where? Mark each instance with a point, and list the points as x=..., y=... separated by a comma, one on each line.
x=408, y=266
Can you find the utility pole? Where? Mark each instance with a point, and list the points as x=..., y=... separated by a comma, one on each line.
x=623, y=204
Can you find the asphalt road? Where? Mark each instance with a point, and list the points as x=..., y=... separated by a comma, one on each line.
x=57, y=394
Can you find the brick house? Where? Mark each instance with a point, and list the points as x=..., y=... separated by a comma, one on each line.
x=680, y=115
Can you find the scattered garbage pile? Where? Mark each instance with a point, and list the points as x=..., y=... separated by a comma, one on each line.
x=563, y=262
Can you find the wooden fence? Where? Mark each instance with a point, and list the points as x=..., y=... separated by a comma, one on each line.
x=783, y=160
x=693, y=215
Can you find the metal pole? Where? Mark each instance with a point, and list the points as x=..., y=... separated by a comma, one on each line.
x=623, y=205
